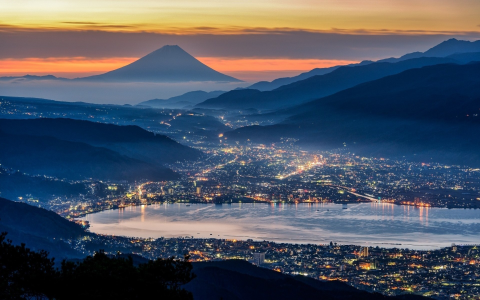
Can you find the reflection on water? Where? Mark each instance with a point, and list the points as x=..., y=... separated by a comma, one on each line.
x=374, y=224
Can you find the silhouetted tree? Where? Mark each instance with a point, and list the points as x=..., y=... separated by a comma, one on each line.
x=25, y=274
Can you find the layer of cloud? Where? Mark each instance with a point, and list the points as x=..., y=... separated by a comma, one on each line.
x=251, y=43
x=113, y=93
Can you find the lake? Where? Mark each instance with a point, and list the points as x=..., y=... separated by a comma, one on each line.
x=372, y=224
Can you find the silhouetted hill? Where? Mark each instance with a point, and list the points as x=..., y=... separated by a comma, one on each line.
x=38, y=228
x=32, y=77
x=229, y=99
x=73, y=160
x=131, y=141
x=429, y=113
x=240, y=280
x=271, y=85
x=167, y=64
x=16, y=184
x=37, y=221
x=465, y=58
x=187, y=99
x=317, y=86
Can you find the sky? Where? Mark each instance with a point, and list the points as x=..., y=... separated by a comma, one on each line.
x=249, y=39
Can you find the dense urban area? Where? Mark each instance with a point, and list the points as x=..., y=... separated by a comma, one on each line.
x=282, y=173
x=449, y=273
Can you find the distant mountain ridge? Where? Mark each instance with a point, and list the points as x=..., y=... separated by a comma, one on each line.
x=167, y=64
x=444, y=49
x=271, y=85
x=32, y=77
x=187, y=99
x=321, y=85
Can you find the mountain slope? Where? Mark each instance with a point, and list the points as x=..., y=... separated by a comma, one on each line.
x=444, y=49
x=73, y=160
x=190, y=98
x=167, y=64
x=131, y=141
x=429, y=113
x=268, y=86
x=15, y=184
x=317, y=86
x=38, y=228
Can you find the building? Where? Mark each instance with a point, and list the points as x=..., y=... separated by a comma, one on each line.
x=258, y=258
x=363, y=252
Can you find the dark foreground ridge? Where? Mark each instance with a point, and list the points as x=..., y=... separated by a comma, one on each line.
x=240, y=280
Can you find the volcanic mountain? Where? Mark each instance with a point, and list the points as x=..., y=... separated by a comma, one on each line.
x=167, y=64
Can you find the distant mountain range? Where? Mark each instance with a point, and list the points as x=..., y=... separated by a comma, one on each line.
x=76, y=149
x=167, y=64
x=322, y=85
x=271, y=85
x=32, y=77
x=186, y=100
x=423, y=114
x=444, y=49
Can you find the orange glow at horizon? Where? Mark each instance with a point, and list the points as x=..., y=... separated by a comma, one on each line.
x=72, y=67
